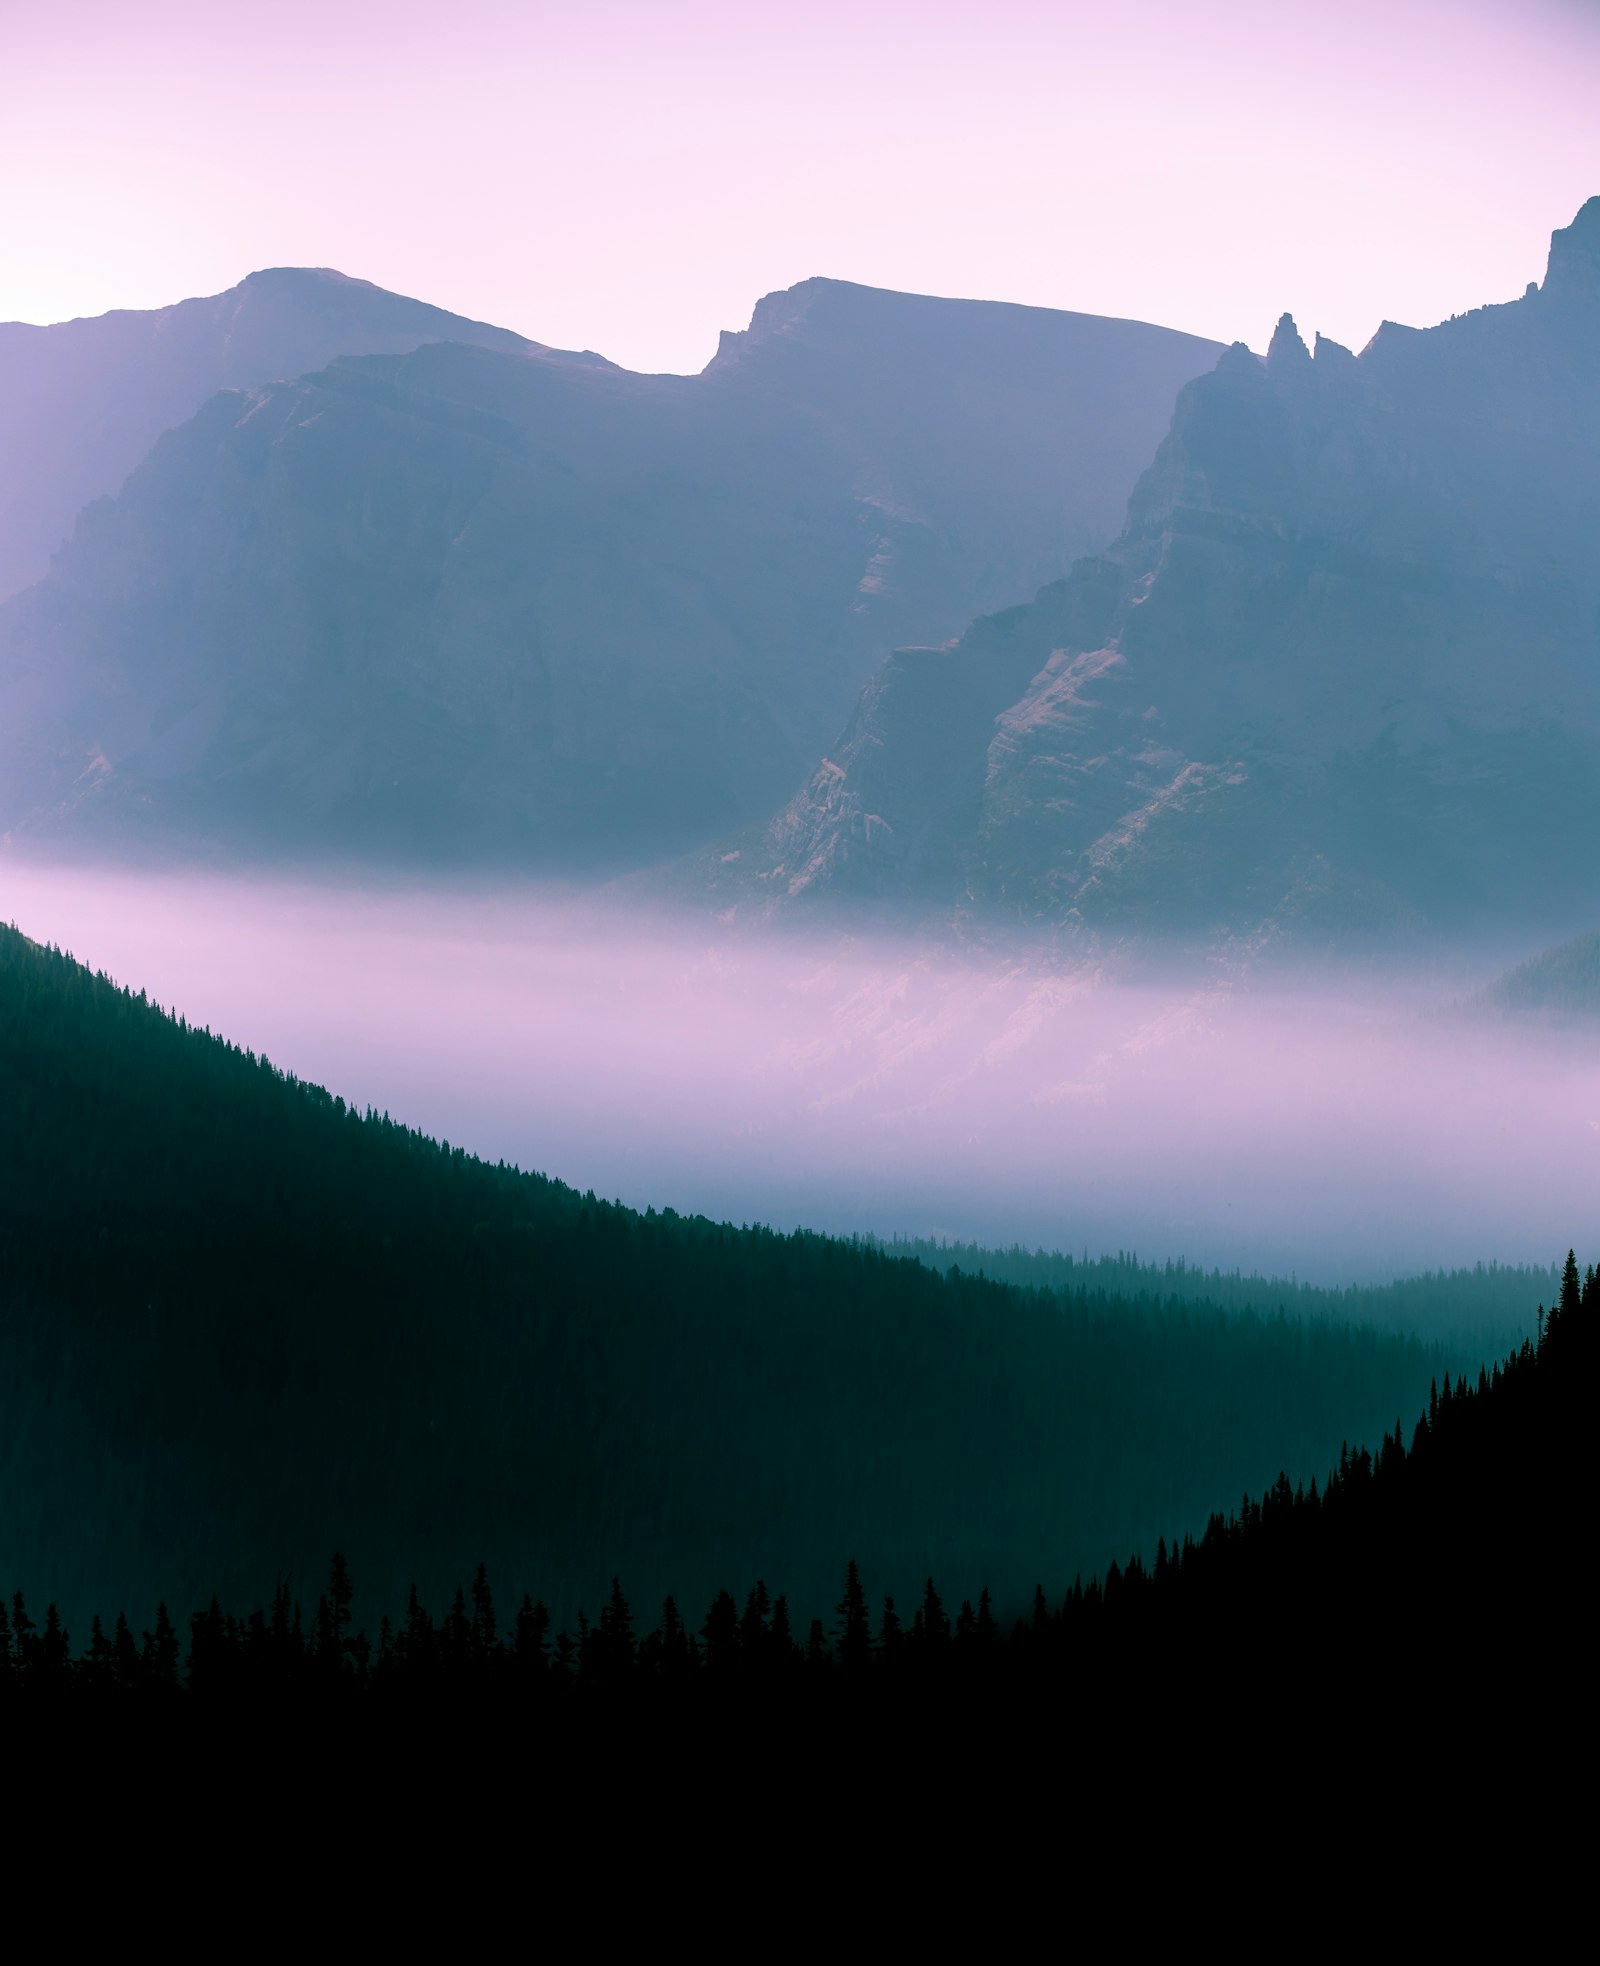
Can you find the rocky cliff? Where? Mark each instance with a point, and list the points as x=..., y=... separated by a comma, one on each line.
x=1339, y=678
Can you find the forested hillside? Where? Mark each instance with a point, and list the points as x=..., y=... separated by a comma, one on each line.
x=243, y=1325
x=1489, y=1306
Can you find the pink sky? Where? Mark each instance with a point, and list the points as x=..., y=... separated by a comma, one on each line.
x=630, y=177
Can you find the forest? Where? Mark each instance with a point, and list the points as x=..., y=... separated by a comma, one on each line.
x=244, y=1324
x=1441, y=1561
x=1484, y=1307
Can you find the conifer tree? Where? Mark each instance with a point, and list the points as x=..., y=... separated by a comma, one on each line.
x=673, y=1649
x=161, y=1649
x=935, y=1619
x=484, y=1635
x=22, y=1631
x=457, y=1633
x=890, y=1635
x=532, y=1635
x=55, y=1647
x=616, y=1651
x=1571, y=1287
x=417, y=1643
x=754, y=1630
x=341, y=1595
x=721, y=1635
x=125, y=1654
x=781, y=1638
x=853, y=1630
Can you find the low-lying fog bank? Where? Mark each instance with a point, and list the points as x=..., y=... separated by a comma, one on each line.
x=1343, y=1135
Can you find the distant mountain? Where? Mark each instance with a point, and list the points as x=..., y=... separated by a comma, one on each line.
x=1560, y=985
x=243, y=1324
x=1338, y=680
x=501, y=605
x=81, y=402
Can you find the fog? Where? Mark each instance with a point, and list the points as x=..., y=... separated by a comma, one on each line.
x=846, y=1084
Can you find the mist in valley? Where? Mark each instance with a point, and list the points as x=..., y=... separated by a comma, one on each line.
x=1342, y=1134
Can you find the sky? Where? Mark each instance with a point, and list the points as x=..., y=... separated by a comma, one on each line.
x=632, y=177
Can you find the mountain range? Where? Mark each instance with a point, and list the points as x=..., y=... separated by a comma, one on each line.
x=476, y=603
x=472, y=600
x=1338, y=681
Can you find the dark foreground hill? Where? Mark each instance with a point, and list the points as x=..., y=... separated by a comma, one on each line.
x=244, y=1325
x=1413, y=1575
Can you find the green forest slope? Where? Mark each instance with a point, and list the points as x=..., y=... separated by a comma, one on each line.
x=241, y=1324
x=1488, y=1308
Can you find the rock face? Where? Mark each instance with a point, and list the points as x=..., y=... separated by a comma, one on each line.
x=515, y=607
x=1339, y=677
x=81, y=402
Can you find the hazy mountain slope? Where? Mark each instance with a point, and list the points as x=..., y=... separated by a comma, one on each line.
x=992, y=440
x=515, y=607
x=1560, y=984
x=243, y=1325
x=81, y=402
x=1339, y=677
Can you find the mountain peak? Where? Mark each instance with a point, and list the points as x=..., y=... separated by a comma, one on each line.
x=285, y=276
x=1287, y=352
x=1574, y=268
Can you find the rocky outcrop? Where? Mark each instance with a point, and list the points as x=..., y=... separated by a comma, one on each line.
x=1339, y=677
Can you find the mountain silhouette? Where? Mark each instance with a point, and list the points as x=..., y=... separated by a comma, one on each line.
x=81, y=402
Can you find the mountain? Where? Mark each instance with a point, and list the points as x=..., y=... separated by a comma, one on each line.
x=245, y=1325
x=81, y=402
x=470, y=604
x=1337, y=681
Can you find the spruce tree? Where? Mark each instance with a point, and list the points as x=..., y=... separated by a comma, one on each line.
x=485, y=1638
x=532, y=1635
x=754, y=1629
x=890, y=1635
x=781, y=1638
x=853, y=1630
x=721, y=1635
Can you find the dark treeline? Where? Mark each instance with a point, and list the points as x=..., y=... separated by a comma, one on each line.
x=242, y=1325
x=1450, y=1558
x=1487, y=1306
